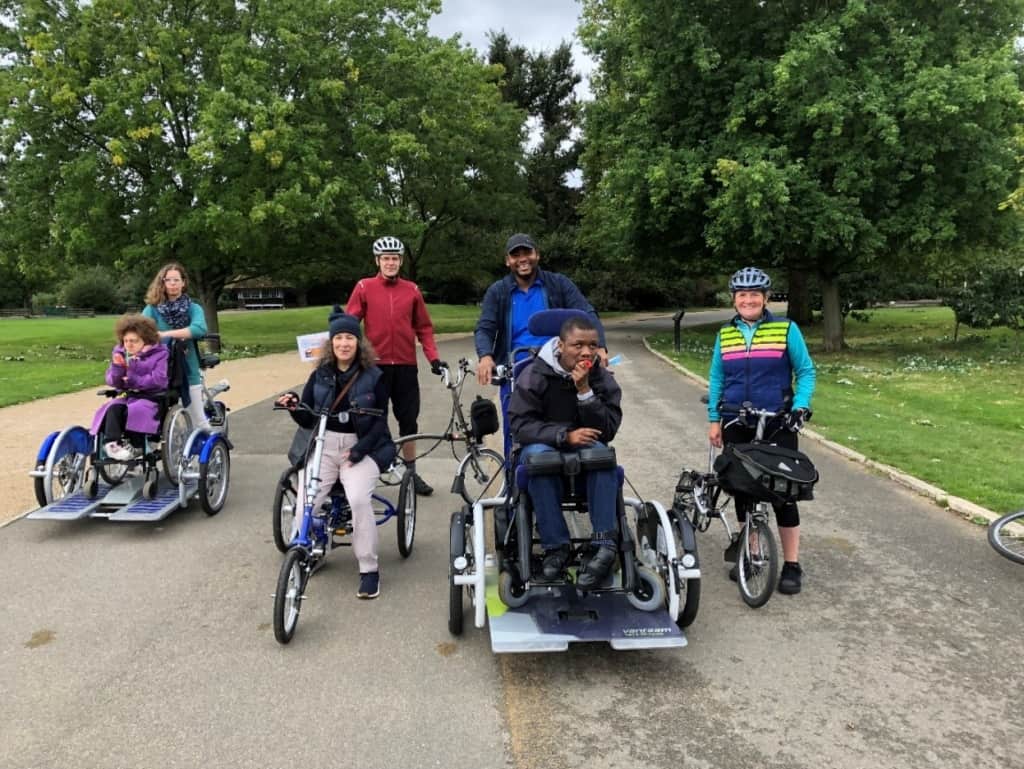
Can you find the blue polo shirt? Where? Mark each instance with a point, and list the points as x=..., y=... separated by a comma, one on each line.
x=524, y=304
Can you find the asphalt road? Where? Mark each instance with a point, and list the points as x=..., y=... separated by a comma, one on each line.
x=151, y=646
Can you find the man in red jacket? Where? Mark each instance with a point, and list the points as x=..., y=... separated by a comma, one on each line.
x=395, y=316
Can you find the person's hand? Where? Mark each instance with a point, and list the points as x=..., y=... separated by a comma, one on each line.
x=581, y=374
x=288, y=400
x=796, y=418
x=484, y=370
x=436, y=366
x=118, y=359
x=583, y=436
x=715, y=434
x=602, y=353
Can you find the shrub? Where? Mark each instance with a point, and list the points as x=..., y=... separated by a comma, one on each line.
x=94, y=288
x=44, y=299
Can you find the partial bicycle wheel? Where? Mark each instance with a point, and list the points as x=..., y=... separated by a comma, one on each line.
x=291, y=586
x=176, y=429
x=689, y=589
x=481, y=474
x=406, y=514
x=65, y=466
x=1006, y=535
x=758, y=558
x=284, y=511
x=456, y=550
x=214, y=477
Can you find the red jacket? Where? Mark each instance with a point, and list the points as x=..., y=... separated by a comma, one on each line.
x=394, y=316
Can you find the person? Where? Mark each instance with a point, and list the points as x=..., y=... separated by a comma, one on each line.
x=357, y=449
x=395, y=316
x=138, y=365
x=507, y=306
x=178, y=317
x=567, y=400
x=762, y=359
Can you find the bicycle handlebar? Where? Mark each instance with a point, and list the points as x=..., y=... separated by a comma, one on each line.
x=341, y=416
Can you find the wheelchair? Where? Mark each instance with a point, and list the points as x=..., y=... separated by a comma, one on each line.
x=74, y=478
x=499, y=564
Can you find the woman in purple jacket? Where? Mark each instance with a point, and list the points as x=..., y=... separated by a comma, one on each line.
x=138, y=366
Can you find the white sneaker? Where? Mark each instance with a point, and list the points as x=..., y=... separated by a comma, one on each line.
x=118, y=451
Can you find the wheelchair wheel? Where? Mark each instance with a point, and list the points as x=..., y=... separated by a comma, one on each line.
x=111, y=471
x=65, y=466
x=511, y=591
x=176, y=429
x=758, y=557
x=284, y=512
x=406, y=514
x=481, y=475
x=689, y=589
x=291, y=585
x=456, y=549
x=214, y=475
x=649, y=591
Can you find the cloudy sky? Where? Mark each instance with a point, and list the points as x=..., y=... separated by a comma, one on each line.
x=536, y=24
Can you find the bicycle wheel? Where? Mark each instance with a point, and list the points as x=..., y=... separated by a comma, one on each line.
x=284, y=512
x=291, y=586
x=757, y=562
x=689, y=589
x=1006, y=535
x=214, y=477
x=456, y=549
x=176, y=429
x=481, y=474
x=406, y=514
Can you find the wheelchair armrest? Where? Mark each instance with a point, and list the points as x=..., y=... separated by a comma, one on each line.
x=209, y=360
x=544, y=463
x=598, y=458
x=108, y=392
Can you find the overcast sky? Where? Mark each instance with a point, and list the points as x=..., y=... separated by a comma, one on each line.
x=536, y=24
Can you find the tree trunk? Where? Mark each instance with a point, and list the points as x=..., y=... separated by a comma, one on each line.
x=832, y=315
x=208, y=299
x=799, y=310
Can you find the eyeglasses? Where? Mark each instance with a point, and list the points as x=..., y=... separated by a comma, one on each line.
x=172, y=280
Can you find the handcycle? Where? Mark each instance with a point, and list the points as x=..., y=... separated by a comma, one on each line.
x=480, y=471
x=497, y=562
x=307, y=537
x=1006, y=535
x=740, y=469
x=74, y=478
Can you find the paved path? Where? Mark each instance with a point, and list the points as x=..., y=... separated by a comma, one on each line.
x=151, y=646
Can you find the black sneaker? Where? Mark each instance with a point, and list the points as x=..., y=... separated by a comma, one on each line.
x=554, y=562
x=369, y=585
x=734, y=572
x=789, y=581
x=597, y=568
x=422, y=488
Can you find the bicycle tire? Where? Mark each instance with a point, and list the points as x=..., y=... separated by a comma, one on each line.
x=1005, y=542
x=483, y=467
x=406, y=512
x=758, y=572
x=291, y=588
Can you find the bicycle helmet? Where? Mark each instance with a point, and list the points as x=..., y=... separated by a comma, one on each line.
x=388, y=245
x=749, y=279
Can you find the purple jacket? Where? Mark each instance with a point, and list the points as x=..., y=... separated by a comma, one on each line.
x=147, y=373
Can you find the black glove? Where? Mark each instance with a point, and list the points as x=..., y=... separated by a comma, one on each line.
x=795, y=419
x=436, y=366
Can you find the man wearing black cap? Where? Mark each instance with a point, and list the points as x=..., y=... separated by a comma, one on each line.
x=509, y=303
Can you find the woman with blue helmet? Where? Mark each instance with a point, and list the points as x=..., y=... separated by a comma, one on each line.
x=762, y=359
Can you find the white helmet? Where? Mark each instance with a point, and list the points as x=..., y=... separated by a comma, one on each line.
x=749, y=279
x=388, y=245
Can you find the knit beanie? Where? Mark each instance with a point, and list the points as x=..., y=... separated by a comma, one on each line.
x=340, y=322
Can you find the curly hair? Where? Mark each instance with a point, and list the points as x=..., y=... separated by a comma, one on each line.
x=157, y=293
x=365, y=354
x=144, y=327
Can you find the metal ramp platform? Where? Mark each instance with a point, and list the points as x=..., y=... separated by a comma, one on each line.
x=123, y=502
x=553, y=619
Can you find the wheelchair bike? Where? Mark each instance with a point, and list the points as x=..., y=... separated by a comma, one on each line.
x=75, y=478
x=498, y=563
x=307, y=534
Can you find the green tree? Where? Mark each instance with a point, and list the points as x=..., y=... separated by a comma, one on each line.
x=825, y=138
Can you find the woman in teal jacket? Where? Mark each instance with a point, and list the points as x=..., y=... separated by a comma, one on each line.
x=178, y=317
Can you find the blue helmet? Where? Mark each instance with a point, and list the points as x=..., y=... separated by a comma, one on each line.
x=749, y=279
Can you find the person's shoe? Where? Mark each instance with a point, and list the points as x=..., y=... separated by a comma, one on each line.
x=118, y=451
x=369, y=585
x=789, y=581
x=734, y=572
x=422, y=488
x=597, y=568
x=554, y=563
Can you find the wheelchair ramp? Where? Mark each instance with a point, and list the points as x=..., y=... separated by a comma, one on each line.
x=551, y=621
x=72, y=507
x=163, y=504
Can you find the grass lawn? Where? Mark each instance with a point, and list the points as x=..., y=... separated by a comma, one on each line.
x=40, y=357
x=904, y=393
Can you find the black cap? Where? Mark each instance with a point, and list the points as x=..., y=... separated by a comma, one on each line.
x=519, y=240
x=339, y=321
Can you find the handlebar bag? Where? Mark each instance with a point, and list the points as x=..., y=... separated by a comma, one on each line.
x=766, y=472
x=483, y=417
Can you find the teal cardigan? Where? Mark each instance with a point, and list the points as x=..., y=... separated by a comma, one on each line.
x=196, y=324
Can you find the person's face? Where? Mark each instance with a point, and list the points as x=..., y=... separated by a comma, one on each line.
x=523, y=261
x=345, y=346
x=132, y=343
x=749, y=304
x=173, y=284
x=579, y=344
x=389, y=265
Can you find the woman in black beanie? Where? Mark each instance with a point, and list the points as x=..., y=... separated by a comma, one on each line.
x=357, y=450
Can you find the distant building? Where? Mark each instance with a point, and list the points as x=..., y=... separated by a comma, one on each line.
x=260, y=294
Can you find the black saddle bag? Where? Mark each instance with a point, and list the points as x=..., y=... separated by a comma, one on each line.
x=766, y=472
x=483, y=417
